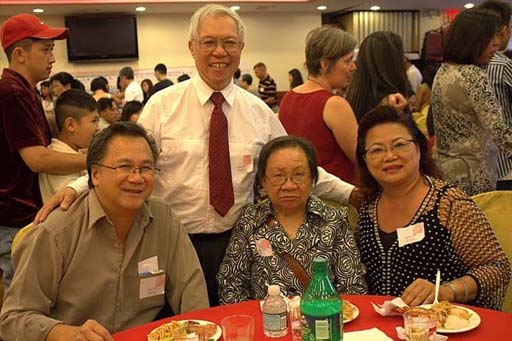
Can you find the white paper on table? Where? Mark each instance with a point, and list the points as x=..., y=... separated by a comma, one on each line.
x=400, y=331
x=374, y=334
x=388, y=308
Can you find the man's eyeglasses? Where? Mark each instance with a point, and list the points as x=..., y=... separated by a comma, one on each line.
x=378, y=151
x=230, y=45
x=280, y=179
x=126, y=170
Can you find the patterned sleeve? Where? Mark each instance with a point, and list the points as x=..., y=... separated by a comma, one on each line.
x=348, y=270
x=235, y=271
x=476, y=244
x=487, y=109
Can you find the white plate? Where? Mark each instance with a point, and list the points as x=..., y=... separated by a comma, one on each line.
x=354, y=315
x=474, y=321
x=215, y=336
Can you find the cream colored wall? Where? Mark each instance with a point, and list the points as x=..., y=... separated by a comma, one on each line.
x=277, y=39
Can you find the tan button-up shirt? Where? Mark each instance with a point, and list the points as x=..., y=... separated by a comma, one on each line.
x=71, y=268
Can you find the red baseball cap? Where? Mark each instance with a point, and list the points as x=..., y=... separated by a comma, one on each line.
x=23, y=26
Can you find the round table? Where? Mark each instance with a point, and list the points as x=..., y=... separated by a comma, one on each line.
x=494, y=326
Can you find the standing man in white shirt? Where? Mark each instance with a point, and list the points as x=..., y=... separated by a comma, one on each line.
x=181, y=119
x=210, y=133
x=133, y=90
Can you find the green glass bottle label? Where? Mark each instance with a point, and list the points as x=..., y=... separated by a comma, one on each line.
x=322, y=328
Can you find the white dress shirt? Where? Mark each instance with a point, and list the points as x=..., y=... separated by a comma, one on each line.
x=179, y=119
x=133, y=92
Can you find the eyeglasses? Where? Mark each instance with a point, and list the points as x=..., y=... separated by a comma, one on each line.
x=280, y=179
x=126, y=170
x=208, y=45
x=378, y=151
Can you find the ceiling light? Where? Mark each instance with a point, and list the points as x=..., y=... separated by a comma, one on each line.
x=235, y=8
x=38, y=10
x=469, y=5
x=321, y=8
x=375, y=8
x=140, y=9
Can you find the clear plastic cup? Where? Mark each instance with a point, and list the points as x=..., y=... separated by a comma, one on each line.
x=420, y=326
x=295, y=318
x=238, y=328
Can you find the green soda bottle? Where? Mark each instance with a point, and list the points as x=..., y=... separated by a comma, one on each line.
x=321, y=307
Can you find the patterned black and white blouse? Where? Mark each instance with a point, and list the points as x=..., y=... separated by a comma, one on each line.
x=458, y=241
x=248, y=267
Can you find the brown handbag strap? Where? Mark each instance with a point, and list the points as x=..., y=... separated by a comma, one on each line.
x=295, y=266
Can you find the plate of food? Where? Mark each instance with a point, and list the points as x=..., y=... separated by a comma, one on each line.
x=350, y=311
x=190, y=330
x=451, y=318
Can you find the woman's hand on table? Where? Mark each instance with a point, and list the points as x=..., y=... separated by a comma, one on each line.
x=422, y=291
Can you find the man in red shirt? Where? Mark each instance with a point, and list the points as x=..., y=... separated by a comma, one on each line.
x=24, y=131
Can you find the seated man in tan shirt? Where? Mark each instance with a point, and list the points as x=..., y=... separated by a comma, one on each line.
x=111, y=260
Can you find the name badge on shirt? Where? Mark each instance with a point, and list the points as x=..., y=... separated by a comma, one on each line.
x=264, y=247
x=152, y=284
x=410, y=234
x=247, y=164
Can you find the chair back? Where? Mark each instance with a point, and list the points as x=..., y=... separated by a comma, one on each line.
x=497, y=207
x=21, y=233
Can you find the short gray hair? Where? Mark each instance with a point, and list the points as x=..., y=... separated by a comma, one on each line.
x=215, y=10
x=327, y=43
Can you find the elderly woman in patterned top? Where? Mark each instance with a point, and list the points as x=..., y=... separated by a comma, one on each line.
x=413, y=224
x=290, y=223
x=468, y=121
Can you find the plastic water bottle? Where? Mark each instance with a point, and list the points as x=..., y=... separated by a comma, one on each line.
x=275, y=321
x=321, y=307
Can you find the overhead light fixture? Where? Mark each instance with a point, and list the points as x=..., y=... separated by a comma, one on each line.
x=469, y=5
x=38, y=10
x=375, y=8
x=321, y=8
x=235, y=8
x=140, y=9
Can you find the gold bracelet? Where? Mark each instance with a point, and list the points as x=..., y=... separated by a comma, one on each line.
x=466, y=291
x=454, y=290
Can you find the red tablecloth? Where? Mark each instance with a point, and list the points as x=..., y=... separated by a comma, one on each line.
x=495, y=325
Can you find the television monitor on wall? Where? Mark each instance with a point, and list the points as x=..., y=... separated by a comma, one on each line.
x=102, y=37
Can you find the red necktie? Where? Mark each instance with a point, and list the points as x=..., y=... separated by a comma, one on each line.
x=221, y=185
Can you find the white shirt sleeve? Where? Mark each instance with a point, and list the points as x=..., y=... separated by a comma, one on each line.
x=80, y=185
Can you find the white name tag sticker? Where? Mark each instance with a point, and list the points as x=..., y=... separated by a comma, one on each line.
x=148, y=265
x=264, y=248
x=152, y=285
x=410, y=234
x=247, y=164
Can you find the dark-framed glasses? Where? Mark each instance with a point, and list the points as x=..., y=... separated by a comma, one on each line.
x=378, y=151
x=297, y=178
x=230, y=45
x=126, y=170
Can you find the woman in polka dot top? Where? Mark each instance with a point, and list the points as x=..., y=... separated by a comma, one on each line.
x=413, y=224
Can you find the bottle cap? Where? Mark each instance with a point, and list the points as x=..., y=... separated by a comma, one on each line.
x=319, y=264
x=274, y=290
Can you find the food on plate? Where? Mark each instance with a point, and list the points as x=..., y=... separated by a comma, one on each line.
x=348, y=310
x=448, y=316
x=183, y=329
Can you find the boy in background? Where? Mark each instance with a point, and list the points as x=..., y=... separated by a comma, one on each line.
x=76, y=115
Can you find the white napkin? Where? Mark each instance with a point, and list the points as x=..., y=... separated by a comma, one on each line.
x=374, y=334
x=388, y=308
x=400, y=331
